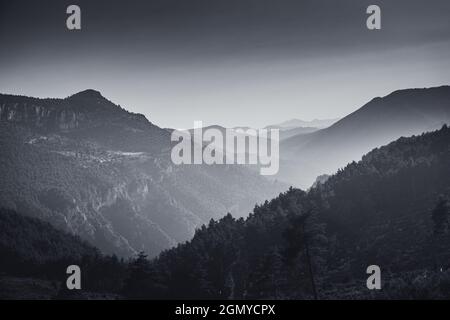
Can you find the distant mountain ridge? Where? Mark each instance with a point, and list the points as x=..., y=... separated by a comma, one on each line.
x=296, y=123
x=401, y=113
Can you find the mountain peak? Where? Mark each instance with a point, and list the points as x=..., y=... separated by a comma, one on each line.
x=88, y=93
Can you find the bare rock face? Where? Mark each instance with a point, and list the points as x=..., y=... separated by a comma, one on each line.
x=83, y=109
x=40, y=116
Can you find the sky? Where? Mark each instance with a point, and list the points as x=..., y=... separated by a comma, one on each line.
x=227, y=62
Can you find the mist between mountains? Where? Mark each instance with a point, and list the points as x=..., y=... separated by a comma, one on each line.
x=209, y=146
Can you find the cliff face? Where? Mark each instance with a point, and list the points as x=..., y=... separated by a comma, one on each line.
x=83, y=110
x=92, y=168
x=39, y=116
x=60, y=114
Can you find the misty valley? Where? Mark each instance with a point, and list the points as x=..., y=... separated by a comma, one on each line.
x=227, y=146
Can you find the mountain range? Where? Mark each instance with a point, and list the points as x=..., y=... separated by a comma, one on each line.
x=296, y=123
x=83, y=167
x=88, y=166
x=381, y=120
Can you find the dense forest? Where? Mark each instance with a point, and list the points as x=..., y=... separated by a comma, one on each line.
x=35, y=256
x=390, y=209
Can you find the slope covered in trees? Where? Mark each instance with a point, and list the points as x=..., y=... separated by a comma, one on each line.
x=34, y=252
x=390, y=209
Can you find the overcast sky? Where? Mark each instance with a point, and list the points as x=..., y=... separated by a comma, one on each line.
x=227, y=62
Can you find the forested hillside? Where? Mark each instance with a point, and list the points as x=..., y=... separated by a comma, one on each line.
x=391, y=209
x=35, y=256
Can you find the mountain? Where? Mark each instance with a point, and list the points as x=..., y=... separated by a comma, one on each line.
x=93, y=169
x=401, y=113
x=86, y=115
x=287, y=132
x=391, y=209
x=296, y=127
x=296, y=123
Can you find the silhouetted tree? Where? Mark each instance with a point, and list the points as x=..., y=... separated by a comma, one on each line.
x=138, y=282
